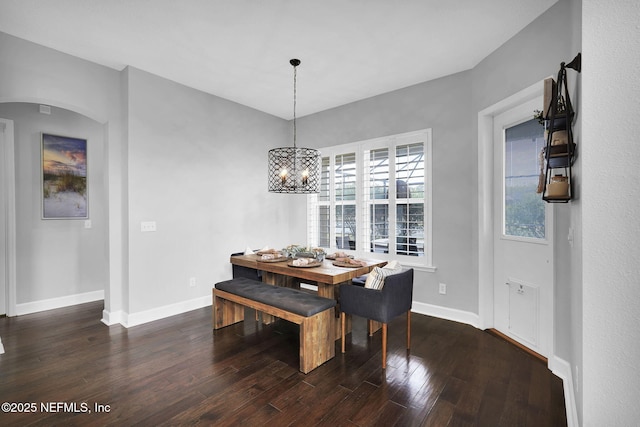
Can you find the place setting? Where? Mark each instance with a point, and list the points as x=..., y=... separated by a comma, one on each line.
x=342, y=259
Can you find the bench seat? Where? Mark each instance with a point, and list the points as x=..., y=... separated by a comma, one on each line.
x=313, y=313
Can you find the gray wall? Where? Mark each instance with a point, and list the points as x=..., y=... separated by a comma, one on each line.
x=192, y=162
x=444, y=106
x=610, y=201
x=196, y=166
x=57, y=258
x=33, y=73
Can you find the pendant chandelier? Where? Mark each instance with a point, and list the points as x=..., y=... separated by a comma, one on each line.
x=294, y=170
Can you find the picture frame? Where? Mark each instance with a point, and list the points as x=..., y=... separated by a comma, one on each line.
x=64, y=177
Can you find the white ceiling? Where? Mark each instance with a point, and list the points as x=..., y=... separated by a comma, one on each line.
x=240, y=49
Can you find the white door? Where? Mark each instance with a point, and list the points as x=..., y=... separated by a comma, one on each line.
x=523, y=231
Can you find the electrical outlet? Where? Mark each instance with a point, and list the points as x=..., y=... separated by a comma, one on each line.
x=192, y=282
x=443, y=288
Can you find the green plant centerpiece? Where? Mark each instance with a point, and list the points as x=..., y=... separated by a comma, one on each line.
x=299, y=251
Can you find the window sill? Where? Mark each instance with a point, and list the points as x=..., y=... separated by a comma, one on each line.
x=402, y=260
x=420, y=267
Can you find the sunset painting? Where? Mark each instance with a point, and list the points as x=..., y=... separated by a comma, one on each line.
x=64, y=177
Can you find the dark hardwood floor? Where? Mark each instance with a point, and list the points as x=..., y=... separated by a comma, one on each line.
x=177, y=371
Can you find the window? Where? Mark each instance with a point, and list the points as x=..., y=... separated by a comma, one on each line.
x=524, y=212
x=375, y=197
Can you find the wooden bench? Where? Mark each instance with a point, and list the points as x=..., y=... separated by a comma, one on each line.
x=314, y=314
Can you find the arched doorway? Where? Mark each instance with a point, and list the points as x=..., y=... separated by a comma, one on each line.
x=61, y=262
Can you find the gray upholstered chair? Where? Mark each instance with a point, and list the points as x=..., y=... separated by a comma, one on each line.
x=381, y=305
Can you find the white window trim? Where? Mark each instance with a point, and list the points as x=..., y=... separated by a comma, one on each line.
x=424, y=263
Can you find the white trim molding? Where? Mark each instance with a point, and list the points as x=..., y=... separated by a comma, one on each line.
x=128, y=320
x=446, y=313
x=112, y=318
x=60, y=302
x=562, y=369
x=8, y=169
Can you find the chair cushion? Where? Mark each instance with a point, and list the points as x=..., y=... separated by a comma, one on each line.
x=393, y=265
x=375, y=279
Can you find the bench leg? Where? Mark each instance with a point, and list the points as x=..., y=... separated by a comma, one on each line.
x=317, y=342
x=225, y=312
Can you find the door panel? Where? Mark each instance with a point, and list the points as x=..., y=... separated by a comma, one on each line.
x=523, y=225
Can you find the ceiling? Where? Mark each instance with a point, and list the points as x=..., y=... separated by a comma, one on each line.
x=240, y=49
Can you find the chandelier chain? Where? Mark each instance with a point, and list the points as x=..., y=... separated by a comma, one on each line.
x=295, y=68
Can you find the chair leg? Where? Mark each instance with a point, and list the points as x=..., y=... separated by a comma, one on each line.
x=384, y=346
x=370, y=327
x=343, y=318
x=408, y=329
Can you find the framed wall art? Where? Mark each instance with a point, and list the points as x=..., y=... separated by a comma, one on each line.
x=64, y=177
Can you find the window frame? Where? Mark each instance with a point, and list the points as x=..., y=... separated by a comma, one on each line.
x=362, y=205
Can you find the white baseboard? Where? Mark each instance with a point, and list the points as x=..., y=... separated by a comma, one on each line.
x=134, y=319
x=112, y=318
x=446, y=313
x=60, y=302
x=562, y=369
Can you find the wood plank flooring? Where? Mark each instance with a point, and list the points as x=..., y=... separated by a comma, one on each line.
x=178, y=371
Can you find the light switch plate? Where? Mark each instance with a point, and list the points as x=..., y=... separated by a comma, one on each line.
x=146, y=226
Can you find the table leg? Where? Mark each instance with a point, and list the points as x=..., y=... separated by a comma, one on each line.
x=333, y=291
x=374, y=326
x=280, y=280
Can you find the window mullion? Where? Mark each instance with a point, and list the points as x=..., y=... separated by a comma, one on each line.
x=332, y=199
x=360, y=209
x=392, y=197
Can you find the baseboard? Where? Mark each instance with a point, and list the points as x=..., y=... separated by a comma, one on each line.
x=562, y=369
x=446, y=313
x=133, y=319
x=498, y=334
x=112, y=318
x=60, y=302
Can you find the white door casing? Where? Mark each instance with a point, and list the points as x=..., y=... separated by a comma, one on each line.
x=3, y=226
x=7, y=217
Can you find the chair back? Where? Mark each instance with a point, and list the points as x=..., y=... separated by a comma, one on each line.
x=398, y=290
x=382, y=305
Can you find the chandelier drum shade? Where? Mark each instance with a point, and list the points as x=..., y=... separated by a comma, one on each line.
x=294, y=169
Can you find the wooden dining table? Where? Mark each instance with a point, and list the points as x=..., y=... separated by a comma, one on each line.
x=327, y=277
